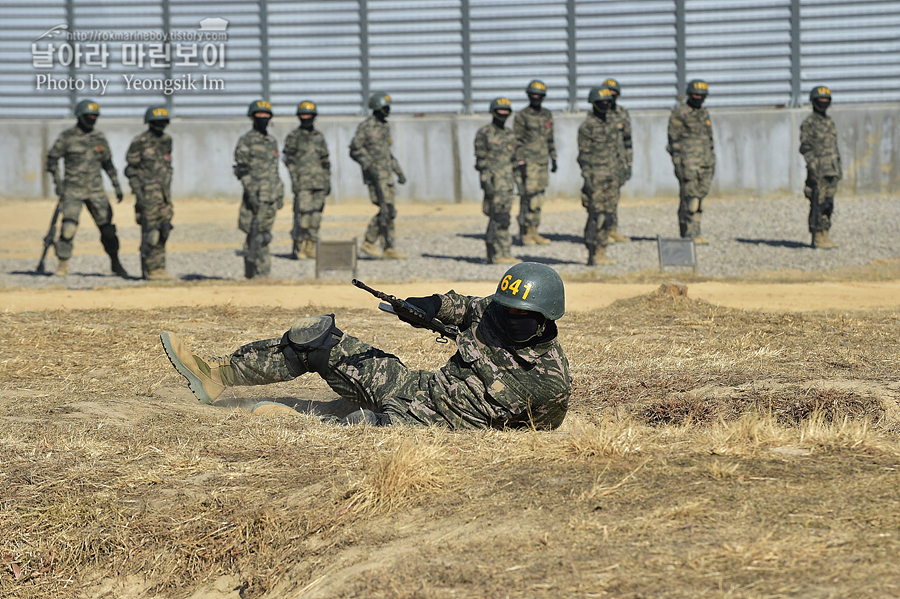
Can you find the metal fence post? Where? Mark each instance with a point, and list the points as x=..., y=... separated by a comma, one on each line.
x=167, y=32
x=796, y=99
x=680, y=50
x=73, y=72
x=364, y=53
x=466, y=57
x=264, y=47
x=573, y=57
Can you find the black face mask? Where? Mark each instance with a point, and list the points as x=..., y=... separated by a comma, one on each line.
x=260, y=123
x=520, y=329
x=307, y=123
x=500, y=119
x=600, y=109
x=87, y=122
x=821, y=105
x=158, y=126
x=695, y=102
x=382, y=113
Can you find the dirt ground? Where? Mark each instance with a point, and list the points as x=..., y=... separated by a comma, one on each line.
x=742, y=442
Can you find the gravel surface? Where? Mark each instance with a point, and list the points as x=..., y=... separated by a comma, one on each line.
x=746, y=237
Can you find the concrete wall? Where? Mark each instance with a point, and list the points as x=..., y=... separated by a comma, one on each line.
x=757, y=154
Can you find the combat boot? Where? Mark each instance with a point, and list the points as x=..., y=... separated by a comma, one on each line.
x=700, y=240
x=295, y=251
x=272, y=409
x=505, y=260
x=207, y=378
x=309, y=249
x=158, y=274
x=117, y=267
x=62, y=269
x=597, y=257
x=823, y=242
x=368, y=248
x=616, y=238
x=392, y=254
x=537, y=237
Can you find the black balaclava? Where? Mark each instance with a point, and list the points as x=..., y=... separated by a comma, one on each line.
x=521, y=330
x=695, y=102
x=500, y=119
x=820, y=105
x=157, y=127
x=307, y=123
x=535, y=101
x=87, y=121
x=612, y=102
x=601, y=108
x=382, y=113
x=260, y=123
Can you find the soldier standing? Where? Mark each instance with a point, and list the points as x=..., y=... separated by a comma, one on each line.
x=84, y=152
x=534, y=150
x=149, y=172
x=306, y=156
x=600, y=156
x=619, y=115
x=691, y=147
x=371, y=148
x=495, y=147
x=509, y=370
x=818, y=144
x=256, y=165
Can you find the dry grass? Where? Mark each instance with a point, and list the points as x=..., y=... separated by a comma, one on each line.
x=708, y=452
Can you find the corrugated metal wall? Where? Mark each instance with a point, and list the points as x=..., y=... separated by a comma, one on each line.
x=444, y=56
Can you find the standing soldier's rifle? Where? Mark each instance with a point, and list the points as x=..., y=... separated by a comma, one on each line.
x=410, y=313
x=50, y=237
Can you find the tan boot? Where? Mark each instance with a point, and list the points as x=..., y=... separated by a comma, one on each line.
x=62, y=269
x=700, y=240
x=505, y=260
x=272, y=409
x=309, y=249
x=368, y=248
x=207, y=378
x=598, y=257
x=825, y=243
x=158, y=274
x=537, y=237
x=392, y=254
x=616, y=238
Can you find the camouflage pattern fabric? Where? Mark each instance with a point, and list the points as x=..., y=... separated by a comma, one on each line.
x=494, y=159
x=619, y=115
x=84, y=156
x=483, y=385
x=306, y=156
x=535, y=147
x=256, y=165
x=149, y=172
x=694, y=159
x=600, y=151
x=371, y=148
x=818, y=144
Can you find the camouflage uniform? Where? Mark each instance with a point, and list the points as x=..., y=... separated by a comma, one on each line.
x=371, y=148
x=495, y=160
x=691, y=147
x=485, y=384
x=622, y=120
x=256, y=165
x=818, y=144
x=84, y=155
x=534, y=147
x=306, y=156
x=601, y=154
x=149, y=172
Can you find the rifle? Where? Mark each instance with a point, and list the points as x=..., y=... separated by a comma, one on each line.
x=411, y=314
x=145, y=244
x=253, y=247
x=50, y=237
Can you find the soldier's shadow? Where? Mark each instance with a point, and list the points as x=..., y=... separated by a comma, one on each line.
x=317, y=404
x=564, y=238
x=784, y=243
x=467, y=259
x=543, y=259
x=199, y=277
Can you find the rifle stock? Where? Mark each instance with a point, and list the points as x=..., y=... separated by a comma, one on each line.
x=411, y=314
x=50, y=237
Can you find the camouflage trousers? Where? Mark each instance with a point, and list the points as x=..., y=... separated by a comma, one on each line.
x=382, y=193
x=531, y=194
x=820, y=193
x=497, y=208
x=258, y=262
x=308, y=206
x=101, y=211
x=600, y=195
x=693, y=186
x=360, y=373
x=153, y=213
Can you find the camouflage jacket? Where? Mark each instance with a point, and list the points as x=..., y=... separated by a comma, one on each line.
x=306, y=156
x=534, y=136
x=149, y=161
x=818, y=144
x=371, y=148
x=84, y=155
x=622, y=120
x=485, y=384
x=256, y=164
x=600, y=147
x=691, y=138
x=495, y=155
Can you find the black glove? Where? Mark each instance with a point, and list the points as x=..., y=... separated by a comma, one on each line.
x=430, y=305
x=119, y=196
x=553, y=165
x=401, y=178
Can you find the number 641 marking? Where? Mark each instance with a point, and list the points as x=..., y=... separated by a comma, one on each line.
x=508, y=284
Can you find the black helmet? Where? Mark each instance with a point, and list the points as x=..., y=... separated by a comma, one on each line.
x=87, y=107
x=612, y=85
x=599, y=94
x=536, y=86
x=819, y=92
x=259, y=106
x=307, y=107
x=379, y=100
x=501, y=104
x=697, y=86
x=533, y=287
x=156, y=113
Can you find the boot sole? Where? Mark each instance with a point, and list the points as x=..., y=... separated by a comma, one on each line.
x=194, y=382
